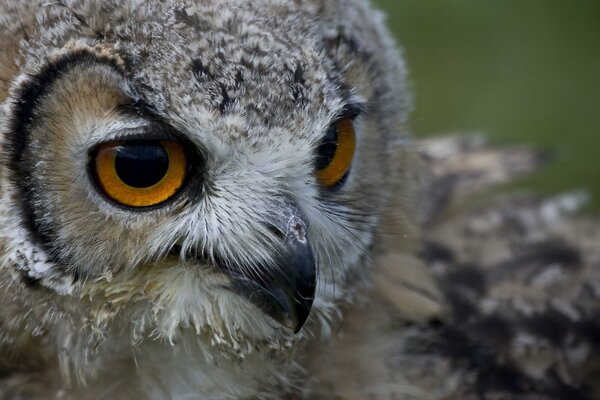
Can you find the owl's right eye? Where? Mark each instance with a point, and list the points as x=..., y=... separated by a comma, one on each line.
x=140, y=173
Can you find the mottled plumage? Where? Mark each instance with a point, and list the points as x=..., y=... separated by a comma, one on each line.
x=518, y=308
x=425, y=286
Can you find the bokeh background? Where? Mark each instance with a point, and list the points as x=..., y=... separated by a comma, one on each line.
x=524, y=72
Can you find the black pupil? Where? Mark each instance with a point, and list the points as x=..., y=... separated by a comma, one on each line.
x=141, y=164
x=327, y=148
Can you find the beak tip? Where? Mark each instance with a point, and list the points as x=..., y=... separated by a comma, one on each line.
x=282, y=306
x=300, y=312
x=298, y=323
x=296, y=313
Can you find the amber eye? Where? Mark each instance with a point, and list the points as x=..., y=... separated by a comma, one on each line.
x=335, y=153
x=140, y=173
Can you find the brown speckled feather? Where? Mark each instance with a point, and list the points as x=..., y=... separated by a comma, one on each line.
x=519, y=313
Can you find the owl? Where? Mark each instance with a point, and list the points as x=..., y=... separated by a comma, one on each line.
x=193, y=193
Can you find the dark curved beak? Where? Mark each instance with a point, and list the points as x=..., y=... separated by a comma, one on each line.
x=286, y=290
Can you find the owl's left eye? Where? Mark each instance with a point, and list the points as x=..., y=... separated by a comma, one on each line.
x=335, y=153
x=140, y=173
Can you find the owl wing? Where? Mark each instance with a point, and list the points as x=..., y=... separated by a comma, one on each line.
x=521, y=275
x=516, y=311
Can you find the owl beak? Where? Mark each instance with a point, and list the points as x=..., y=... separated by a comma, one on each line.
x=287, y=289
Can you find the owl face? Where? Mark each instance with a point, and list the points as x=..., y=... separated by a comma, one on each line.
x=231, y=159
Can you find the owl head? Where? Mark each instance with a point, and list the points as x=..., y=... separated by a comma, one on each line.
x=222, y=165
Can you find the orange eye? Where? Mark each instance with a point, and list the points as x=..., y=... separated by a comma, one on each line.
x=140, y=173
x=335, y=153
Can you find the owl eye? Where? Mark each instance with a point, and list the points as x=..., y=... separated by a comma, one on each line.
x=335, y=153
x=140, y=173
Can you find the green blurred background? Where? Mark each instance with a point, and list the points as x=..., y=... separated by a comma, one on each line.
x=518, y=71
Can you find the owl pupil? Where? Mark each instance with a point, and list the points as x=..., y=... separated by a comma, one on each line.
x=327, y=148
x=141, y=164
